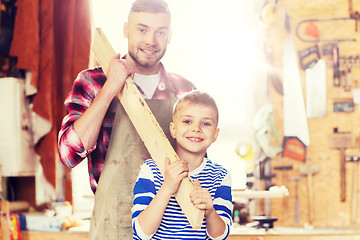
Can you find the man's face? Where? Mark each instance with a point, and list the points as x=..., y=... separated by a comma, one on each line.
x=148, y=35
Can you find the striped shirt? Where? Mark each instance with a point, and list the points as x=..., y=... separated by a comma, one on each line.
x=174, y=224
x=86, y=87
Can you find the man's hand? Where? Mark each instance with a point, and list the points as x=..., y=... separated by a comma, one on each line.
x=117, y=73
x=201, y=198
x=174, y=173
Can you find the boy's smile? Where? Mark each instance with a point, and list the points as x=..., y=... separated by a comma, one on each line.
x=195, y=128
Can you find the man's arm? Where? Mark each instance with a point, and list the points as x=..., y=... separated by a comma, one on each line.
x=89, y=123
x=87, y=105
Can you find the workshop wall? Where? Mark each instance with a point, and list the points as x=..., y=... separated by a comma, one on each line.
x=329, y=209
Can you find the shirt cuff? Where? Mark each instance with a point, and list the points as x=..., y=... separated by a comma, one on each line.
x=75, y=143
x=223, y=236
x=140, y=232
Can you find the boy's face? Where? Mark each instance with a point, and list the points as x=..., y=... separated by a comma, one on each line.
x=194, y=127
x=148, y=35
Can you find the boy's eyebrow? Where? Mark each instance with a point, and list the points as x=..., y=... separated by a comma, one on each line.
x=203, y=118
x=209, y=118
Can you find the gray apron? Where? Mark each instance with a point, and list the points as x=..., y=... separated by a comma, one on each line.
x=111, y=218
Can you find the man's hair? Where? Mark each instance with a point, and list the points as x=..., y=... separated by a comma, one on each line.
x=196, y=97
x=150, y=6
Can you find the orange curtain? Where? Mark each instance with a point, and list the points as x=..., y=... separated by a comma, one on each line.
x=52, y=40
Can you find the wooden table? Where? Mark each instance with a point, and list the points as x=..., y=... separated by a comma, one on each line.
x=63, y=235
x=295, y=234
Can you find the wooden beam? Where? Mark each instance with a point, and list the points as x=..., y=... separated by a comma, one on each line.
x=148, y=128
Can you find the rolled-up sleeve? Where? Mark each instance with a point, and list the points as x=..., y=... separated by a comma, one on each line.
x=71, y=149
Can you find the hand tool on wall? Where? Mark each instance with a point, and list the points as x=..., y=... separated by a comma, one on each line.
x=309, y=57
x=272, y=73
x=349, y=79
x=355, y=178
x=343, y=79
x=341, y=141
x=344, y=105
x=284, y=176
x=319, y=39
x=284, y=170
x=354, y=15
x=312, y=30
x=309, y=169
x=297, y=203
x=294, y=148
x=266, y=175
x=295, y=121
x=335, y=59
x=267, y=15
x=316, y=90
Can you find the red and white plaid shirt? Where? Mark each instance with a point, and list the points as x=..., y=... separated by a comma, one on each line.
x=86, y=86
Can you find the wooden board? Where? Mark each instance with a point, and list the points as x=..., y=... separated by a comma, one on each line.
x=148, y=128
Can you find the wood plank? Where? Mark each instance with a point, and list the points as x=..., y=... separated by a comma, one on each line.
x=148, y=128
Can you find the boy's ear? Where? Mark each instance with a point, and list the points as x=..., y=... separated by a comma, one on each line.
x=216, y=134
x=172, y=130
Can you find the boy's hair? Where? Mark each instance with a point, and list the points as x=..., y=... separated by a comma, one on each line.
x=150, y=6
x=197, y=97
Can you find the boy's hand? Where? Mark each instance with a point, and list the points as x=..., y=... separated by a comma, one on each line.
x=174, y=173
x=201, y=198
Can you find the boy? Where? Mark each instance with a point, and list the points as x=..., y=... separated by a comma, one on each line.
x=156, y=214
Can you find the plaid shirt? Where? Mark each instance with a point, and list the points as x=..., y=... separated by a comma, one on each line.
x=86, y=86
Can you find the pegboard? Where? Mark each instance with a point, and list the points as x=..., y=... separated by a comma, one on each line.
x=328, y=209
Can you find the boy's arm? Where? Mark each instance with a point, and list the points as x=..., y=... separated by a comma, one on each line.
x=150, y=218
x=217, y=212
x=215, y=226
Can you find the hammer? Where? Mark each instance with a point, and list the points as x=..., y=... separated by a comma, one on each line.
x=309, y=169
x=297, y=207
x=284, y=180
x=341, y=141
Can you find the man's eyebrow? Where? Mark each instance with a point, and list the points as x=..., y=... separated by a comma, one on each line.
x=146, y=26
x=142, y=25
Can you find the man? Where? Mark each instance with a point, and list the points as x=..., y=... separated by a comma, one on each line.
x=95, y=114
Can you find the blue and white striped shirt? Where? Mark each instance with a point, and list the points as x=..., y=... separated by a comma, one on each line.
x=174, y=224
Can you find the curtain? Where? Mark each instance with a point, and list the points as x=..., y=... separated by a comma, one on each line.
x=52, y=41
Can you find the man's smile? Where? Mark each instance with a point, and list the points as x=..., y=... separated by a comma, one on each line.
x=148, y=52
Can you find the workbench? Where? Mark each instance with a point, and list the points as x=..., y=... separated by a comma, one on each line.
x=236, y=234
x=63, y=235
x=293, y=234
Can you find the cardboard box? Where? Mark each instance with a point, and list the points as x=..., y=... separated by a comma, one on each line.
x=17, y=155
x=31, y=222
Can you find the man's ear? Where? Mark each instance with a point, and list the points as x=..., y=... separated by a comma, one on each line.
x=125, y=30
x=172, y=130
x=169, y=37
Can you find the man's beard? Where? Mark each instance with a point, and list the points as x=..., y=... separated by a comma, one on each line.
x=145, y=63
